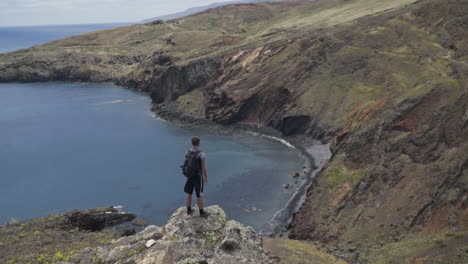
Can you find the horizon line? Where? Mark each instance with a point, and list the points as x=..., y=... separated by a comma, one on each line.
x=71, y=24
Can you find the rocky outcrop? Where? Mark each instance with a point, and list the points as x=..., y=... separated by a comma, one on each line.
x=184, y=239
x=290, y=125
x=175, y=81
x=56, y=238
x=97, y=219
x=164, y=81
x=67, y=67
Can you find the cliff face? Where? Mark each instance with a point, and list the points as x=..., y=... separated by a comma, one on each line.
x=385, y=81
x=400, y=161
x=407, y=172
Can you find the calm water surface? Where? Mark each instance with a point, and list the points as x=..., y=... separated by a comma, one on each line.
x=66, y=146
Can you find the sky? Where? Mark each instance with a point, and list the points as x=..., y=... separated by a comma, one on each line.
x=60, y=12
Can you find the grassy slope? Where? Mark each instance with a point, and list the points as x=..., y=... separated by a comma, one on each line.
x=397, y=58
x=289, y=251
x=46, y=240
x=202, y=34
x=398, y=88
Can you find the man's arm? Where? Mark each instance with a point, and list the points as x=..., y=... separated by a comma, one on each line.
x=204, y=171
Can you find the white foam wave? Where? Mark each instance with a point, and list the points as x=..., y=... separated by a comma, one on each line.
x=280, y=140
x=115, y=102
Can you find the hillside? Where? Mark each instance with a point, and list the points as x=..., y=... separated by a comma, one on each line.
x=384, y=80
x=110, y=54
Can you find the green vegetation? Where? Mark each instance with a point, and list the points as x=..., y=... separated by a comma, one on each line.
x=396, y=54
x=192, y=103
x=189, y=261
x=290, y=251
x=452, y=194
x=46, y=240
x=58, y=257
x=210, y=238
x=442, y=247
x=338, y=174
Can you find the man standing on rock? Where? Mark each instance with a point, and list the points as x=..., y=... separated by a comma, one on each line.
x=195, y=170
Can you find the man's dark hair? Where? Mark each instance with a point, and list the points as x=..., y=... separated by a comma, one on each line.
x=195, y=141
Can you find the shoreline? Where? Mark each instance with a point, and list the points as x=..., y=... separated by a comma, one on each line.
x=279, y=223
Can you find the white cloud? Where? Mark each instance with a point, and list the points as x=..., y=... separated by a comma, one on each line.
x=47, y=12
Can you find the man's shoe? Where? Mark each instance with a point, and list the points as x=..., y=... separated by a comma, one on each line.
x=190, y=212
x=204, y=214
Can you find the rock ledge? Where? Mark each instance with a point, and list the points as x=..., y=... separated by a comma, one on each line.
x=184, y=239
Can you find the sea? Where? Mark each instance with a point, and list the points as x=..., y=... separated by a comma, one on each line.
x=15, y=38
x=67, y=146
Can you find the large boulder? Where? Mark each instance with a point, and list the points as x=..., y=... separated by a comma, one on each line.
x=181, y=225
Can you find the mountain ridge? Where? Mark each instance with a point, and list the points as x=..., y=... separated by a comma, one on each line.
x=198, y=9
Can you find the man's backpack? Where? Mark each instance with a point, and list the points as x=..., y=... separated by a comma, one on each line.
x=192, y=164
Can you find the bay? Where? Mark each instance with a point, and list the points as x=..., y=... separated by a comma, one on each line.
x=66, y=146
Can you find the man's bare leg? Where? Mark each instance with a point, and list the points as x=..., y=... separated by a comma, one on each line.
x=200, y=202
x=200, y=207
x=188, y=201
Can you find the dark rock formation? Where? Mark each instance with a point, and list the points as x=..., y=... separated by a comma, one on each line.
x=290, y=125
x=96, y=220
x=124, y=230
x=170, y=83
x=156, y=22
x=162, y=60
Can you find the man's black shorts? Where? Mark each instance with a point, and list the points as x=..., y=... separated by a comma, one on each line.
x=194, y=183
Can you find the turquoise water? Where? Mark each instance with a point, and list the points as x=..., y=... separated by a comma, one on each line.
x=66, y=146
